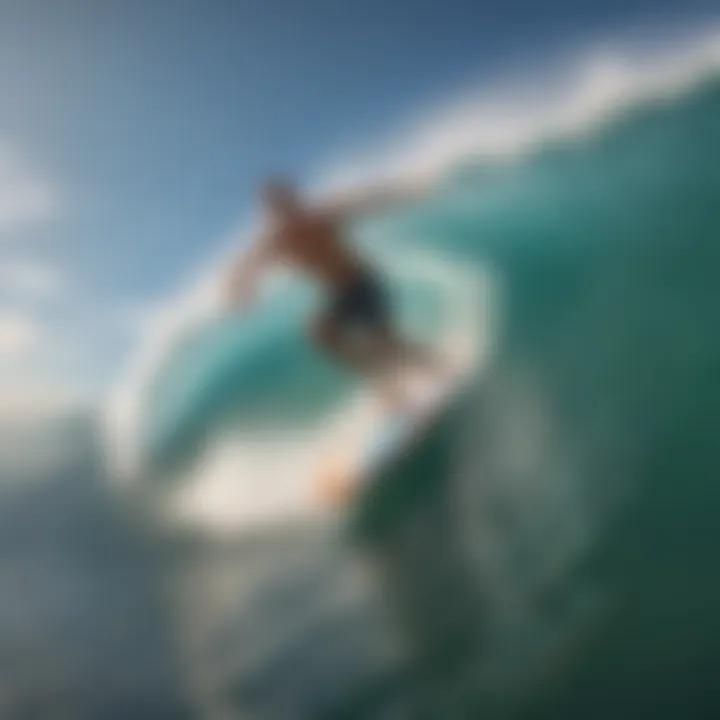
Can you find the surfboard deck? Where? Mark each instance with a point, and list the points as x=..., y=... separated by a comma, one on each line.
x=352, y=464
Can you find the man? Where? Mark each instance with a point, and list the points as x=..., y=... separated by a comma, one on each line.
x=311, y=240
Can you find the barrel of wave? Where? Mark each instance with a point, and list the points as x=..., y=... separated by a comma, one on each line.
x=230, y=367
x=192, y=372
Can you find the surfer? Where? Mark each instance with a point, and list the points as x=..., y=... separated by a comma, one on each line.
x=355, y=328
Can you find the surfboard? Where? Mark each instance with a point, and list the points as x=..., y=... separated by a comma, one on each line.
x=382, y=436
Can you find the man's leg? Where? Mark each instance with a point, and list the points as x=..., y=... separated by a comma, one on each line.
x=373, y=356
x=412, y=354
x=404, y=359
x=329, y=335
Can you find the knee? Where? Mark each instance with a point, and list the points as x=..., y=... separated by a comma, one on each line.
x=324, y=332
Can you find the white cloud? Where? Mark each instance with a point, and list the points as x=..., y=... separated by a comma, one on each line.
x=32, y=384
x=20, y=335
x=26, y=196
x=35, y=443
x=31, y=279
x=30, y=401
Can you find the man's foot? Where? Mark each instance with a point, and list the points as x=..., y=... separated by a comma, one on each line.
x=433, y=362
x=394, y=403
x=399, y=395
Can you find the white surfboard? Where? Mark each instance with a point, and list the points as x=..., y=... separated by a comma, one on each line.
x=379, y=437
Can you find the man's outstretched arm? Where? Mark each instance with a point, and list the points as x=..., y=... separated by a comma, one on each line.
x=378, y=199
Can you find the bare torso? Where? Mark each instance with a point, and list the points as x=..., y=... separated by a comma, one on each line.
x=313, y=245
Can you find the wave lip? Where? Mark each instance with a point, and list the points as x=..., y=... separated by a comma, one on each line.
x=565, y=97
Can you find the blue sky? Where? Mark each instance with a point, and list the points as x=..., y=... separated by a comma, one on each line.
x=132, y=132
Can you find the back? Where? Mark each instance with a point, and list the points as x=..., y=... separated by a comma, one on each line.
x=313, y=244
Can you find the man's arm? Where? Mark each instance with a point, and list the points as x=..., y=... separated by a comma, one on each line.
x=377, y=200
x=247, y=271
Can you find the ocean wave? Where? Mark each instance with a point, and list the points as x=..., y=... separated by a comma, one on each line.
x=503, y=122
